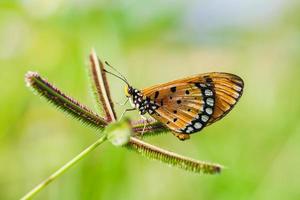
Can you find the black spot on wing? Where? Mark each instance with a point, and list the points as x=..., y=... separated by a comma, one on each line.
x=173, y=89
x=208, y=80
x=156, y=94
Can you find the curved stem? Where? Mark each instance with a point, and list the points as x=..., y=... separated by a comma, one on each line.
x=64, y=168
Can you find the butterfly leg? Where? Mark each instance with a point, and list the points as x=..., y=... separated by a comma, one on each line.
x=124, y=103
x=145, y=124
x=129, y=109
x=182, y=136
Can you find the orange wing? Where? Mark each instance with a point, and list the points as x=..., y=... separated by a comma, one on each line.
x=188, y=105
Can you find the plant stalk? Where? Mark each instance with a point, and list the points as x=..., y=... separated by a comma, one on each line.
x=64, y=168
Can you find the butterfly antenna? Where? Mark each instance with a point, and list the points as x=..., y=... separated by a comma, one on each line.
x=120, y=74
x=119, y=77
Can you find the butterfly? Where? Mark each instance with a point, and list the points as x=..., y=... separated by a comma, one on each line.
x=187, y=105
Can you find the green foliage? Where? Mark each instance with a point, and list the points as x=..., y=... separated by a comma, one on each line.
x=152, y=42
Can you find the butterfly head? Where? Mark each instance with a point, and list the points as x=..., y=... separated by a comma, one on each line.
x=128, y=91
x=135, y=96
x=132, y=93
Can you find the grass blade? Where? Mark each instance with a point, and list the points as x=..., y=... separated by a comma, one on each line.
x=101, y=87
x=62, y=101
x=173, y=159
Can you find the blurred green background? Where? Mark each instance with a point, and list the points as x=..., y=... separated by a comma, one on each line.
x=151, y=42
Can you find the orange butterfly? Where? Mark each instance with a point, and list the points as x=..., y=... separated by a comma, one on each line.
x=187, y=105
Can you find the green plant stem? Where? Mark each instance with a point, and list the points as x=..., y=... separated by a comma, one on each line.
x=64, y=168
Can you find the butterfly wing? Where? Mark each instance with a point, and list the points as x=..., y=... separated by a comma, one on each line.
x=228, y=90
x=188, y=105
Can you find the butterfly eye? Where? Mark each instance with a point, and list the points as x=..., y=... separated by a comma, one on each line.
x=128, y=91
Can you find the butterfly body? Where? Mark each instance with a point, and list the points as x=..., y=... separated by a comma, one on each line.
x=142, y=103
x=187, y=105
